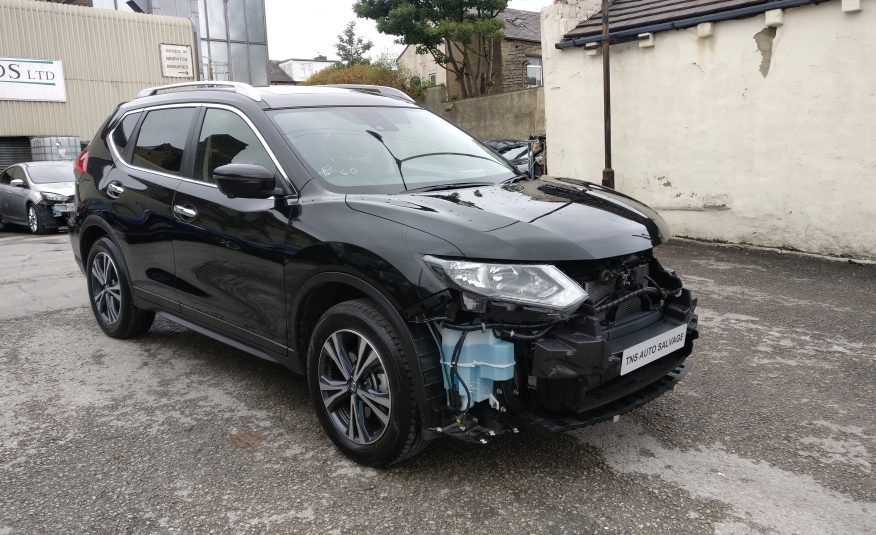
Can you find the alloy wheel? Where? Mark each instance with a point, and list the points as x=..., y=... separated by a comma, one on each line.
x=106, y=288
x=32, y=220
x=354, y=387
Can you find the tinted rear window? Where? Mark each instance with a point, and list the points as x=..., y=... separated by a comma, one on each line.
x=162, y=140
x=122, y=133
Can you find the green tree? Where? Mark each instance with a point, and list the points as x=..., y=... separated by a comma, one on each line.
x=351, y=49
x=462, y=35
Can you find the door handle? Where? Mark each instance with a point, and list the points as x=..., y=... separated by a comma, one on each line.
x=185, y=211
x=114, y=190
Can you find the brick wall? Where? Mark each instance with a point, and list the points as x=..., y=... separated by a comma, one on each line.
x=512, y=74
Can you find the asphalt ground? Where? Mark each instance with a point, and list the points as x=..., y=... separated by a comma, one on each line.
x=773, y=431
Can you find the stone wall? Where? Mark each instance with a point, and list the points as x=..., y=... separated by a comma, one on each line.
x=514, y=115
x=512, y=75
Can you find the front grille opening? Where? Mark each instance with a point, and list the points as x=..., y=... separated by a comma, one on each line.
x=612, y=279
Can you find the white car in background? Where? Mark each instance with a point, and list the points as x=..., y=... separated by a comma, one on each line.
x=37, y=194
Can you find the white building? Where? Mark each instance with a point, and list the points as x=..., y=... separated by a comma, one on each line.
x=749, y=123
x=302, y=69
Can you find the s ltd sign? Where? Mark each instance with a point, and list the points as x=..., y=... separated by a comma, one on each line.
x=32, y=79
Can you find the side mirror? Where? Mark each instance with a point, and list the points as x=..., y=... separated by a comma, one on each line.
x=17, y=183
x=245, y=181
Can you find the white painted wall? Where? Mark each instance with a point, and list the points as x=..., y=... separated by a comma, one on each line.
x=724, y=153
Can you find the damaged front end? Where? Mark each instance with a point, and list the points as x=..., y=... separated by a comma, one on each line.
x=557, y=346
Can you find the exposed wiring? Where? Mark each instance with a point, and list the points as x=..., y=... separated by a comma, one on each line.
x=457, y=350
x=444, y=373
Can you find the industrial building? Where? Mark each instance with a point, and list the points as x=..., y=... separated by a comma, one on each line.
x=64, y=66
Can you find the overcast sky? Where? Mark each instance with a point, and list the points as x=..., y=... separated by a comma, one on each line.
x=304, y=29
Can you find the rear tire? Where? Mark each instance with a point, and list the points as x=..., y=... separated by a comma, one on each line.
x=109, y=292
x=356, y=365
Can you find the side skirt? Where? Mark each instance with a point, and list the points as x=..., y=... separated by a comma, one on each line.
x=270, y=357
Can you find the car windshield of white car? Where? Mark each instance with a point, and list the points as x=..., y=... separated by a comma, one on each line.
x=51, y=174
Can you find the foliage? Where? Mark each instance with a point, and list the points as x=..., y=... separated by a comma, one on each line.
x=461, y=35
x=352, y=49
x=365, y=74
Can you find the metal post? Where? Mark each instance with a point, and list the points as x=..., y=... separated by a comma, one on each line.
x=608, y=172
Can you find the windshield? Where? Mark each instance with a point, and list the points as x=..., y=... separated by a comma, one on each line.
x=387, y=150
x=512, y=153
x=48, y=174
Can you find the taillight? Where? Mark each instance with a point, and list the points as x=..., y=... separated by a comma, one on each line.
x=81, y=162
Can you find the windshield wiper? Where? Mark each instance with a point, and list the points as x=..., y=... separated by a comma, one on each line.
x=515, y=178
x=452, y=185
x=414, y=157
x=398, y=162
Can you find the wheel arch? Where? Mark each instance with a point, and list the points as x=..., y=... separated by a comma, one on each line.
x=326, y=289
x=92, y=229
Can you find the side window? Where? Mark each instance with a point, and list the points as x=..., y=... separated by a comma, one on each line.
x=122, y=134
x=226, y=138
x=18, y=172
x=162, y=140
x=6, y=177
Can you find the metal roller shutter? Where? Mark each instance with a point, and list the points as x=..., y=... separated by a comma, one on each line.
x=14, y=150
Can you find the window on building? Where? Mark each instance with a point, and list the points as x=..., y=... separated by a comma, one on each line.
x=162, y=140
x=240, y=62
x=121, y=5
x=255, y=21
x=216, y=19
x=258, y=60
x=219, y=60
x=236, y=20
x=122, y=134
x=226, y=138
x=433, y=78
x=533, y=71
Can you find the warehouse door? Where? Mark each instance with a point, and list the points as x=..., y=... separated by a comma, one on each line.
x=14, y=150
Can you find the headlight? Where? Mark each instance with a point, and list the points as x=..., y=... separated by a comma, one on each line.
x=537, y=285
x=54, y=197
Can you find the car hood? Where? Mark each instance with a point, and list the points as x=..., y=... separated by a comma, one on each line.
x=61, y=188
x=550, y=219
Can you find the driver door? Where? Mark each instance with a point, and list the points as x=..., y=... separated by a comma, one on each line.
x=15, y=198
x=228, y=253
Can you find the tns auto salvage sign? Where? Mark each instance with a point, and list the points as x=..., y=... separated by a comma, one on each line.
x=32, y=79
x=650, y=350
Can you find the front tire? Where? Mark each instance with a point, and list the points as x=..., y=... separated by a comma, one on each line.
x=360, y=384
x=110, y=293
x=34, y=221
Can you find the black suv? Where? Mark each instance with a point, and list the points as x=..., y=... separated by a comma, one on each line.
x=422, y=284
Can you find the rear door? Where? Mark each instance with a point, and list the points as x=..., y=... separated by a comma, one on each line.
x=229, y=252
x=152, y=145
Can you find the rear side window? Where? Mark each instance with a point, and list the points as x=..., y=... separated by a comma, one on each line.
x=162, y=140
x=226, y=138
x=122, y=134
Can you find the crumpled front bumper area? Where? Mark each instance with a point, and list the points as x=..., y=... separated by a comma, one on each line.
x=613, y=399
x=574, y=375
